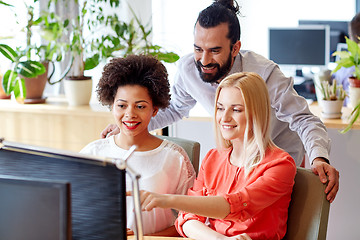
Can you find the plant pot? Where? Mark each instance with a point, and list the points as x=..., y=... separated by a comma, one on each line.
x=331, y=109
x=35, y=87
x=78, y=90
x=354, y=91
x=322, y=76
x=3, y=95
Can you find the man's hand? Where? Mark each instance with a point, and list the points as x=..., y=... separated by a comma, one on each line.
x=327, y=173
x=111, y=129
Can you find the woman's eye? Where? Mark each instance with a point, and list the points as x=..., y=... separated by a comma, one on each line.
x=140, y=107
x=121, y=106
x=237, y=110
x=219, y=108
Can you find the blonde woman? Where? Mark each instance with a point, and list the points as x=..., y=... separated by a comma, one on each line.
x=244, y=186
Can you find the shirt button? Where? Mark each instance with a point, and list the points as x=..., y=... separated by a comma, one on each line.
x=244, y=204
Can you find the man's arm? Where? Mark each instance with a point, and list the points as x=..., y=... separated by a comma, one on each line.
x=294, y=109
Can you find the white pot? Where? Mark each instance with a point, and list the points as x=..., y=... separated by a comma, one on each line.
x=331, y=109
x=78, y=91
x=322, y=76
x=354, y=96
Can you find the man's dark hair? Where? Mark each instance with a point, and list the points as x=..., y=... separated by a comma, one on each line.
x=145, y=71
x=222, y=11
x=355, y=27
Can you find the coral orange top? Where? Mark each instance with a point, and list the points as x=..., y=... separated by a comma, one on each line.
x=259, y=202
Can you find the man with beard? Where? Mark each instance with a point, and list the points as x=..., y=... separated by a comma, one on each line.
x=216, y=55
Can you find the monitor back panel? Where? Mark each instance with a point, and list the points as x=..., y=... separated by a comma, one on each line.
x=97, y=208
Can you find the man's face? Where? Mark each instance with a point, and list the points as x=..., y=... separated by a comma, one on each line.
x=212, y=54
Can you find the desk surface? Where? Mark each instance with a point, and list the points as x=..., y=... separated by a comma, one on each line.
x=339, y=123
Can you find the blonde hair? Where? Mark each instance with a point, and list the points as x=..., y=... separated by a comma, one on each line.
x=258, y=114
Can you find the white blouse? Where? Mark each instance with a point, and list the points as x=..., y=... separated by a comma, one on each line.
x=165, y=169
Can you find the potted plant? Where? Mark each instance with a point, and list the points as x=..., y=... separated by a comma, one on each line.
x=28, y=73
x=88, y=51
x=351, y=59
x=333, y=99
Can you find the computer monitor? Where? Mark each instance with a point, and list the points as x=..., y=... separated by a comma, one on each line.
x=34, y=209
x=338, y=31
x=98, y=201
x=300, y=46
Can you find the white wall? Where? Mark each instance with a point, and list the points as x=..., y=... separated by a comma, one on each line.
x=174, y=20
x=345, y=210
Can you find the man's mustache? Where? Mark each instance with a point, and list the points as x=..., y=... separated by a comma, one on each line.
x=208, y=65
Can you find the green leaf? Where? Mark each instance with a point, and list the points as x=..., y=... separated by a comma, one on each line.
x=30, y=69
x=6, y=4
x=20, y=90
x=8, y=52
x=8, y=81
x=353, y=47
x=342, y=54
x=357, y=73
x=66, y=23
x=169, y=57
x=354, y=116
x=92, y=62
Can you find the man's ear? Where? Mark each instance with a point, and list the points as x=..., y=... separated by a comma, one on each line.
x=236, y=48
x=156, y=109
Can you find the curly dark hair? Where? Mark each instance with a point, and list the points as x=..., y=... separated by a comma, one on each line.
x=140, y=70
x=222, y=11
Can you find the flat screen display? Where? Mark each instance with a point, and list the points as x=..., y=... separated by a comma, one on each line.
x=338, y=31
x=299, y=46
x=34, y=209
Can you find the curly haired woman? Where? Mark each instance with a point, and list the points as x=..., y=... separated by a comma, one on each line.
x=135, y=88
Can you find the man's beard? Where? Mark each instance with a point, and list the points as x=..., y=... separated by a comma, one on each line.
x=221, y=71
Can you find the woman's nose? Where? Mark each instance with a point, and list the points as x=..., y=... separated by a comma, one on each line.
x=226, y=117
x=130, y=112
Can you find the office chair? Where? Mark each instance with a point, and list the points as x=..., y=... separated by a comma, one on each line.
x=192, y=148
x=309, y=209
